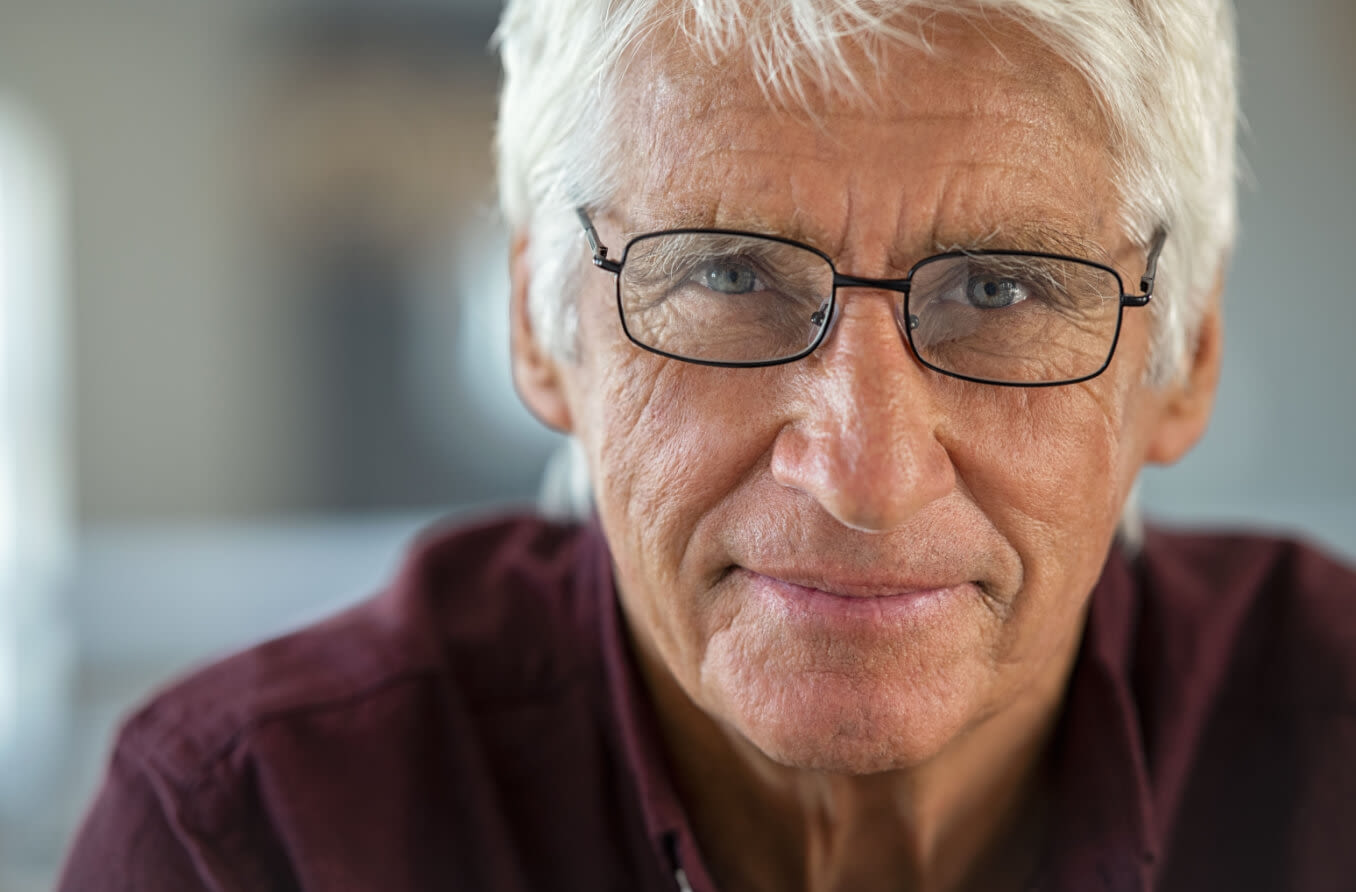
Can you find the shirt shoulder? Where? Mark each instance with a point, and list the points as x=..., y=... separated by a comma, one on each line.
x=396, y=745
x=462, y=598
x=1245, y=680
x=1270, y=621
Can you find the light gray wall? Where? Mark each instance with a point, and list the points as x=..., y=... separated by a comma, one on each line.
x=178, y=378
x=197, y=349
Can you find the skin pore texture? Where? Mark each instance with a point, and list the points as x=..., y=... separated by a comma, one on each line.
x=856, y=587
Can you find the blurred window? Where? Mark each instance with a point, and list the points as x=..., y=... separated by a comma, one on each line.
x=33, y=542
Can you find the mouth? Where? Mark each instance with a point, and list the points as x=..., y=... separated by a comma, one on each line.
x=849, y=599
x=846, y=585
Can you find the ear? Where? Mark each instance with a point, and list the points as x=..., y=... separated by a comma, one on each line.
x=536, y=373
x=1189, y=402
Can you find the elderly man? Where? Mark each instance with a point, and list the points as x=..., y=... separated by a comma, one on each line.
x=865, y=317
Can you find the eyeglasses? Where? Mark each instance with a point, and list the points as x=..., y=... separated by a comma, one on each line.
x=727, y=298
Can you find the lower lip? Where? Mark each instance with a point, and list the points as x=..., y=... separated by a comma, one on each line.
x=802, y=602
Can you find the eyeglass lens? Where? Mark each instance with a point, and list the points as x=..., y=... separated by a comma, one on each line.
x=744, y=299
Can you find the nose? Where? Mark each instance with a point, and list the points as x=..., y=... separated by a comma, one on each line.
x=861, y=440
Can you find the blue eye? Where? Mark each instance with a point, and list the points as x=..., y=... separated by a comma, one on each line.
x=729, y=278
x=995, y=292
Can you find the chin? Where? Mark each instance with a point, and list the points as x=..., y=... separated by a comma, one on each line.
x=844, y=726
x=837, y=756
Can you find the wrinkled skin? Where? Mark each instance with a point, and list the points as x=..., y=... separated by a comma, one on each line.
x=857, y=471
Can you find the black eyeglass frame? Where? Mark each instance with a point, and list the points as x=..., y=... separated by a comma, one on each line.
x=901, y=286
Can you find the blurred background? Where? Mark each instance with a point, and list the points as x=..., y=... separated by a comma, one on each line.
x=253, y=335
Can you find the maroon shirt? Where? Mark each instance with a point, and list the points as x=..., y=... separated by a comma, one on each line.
x=480, y=726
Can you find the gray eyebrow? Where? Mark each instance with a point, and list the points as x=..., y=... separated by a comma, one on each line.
x=1022, y=234
x=1037, y=236
x=662, y=257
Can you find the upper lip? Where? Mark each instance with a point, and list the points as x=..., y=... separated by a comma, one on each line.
x=857, y=585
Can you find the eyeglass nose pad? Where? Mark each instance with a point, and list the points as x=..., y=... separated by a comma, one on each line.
x=820, y=316
x=907, y=322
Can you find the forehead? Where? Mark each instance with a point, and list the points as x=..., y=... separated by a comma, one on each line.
x=984, y=137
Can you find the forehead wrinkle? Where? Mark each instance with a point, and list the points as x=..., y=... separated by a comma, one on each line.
x=795, y=138
x=674, y=198
x=704, y=183
x=729, y=139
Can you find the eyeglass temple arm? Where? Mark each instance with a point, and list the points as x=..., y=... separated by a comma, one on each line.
x=1146, y=282
x=599, y=250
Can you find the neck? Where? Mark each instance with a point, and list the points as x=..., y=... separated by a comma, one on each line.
x=973, y=817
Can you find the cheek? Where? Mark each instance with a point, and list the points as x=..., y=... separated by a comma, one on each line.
x=667, y=442
x=1048, y=454
x=1046, y=467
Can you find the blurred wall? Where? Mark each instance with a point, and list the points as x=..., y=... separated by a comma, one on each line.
x=260, y=326
x=177, y=377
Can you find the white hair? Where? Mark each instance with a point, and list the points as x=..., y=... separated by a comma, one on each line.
x=1163, y=72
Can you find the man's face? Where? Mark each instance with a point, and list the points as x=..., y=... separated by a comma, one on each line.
x=851, y=561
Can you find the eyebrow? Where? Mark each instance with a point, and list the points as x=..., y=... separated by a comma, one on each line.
x=1021, y=233
x=1039, y=236
x=746, y=220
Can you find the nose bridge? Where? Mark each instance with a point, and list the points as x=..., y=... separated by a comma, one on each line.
x=849, y=290
x=863, y=440
x=868, y=366
x=865, y=321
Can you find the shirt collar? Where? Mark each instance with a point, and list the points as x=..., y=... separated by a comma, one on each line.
x=1104, y=834
x=665, y=820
